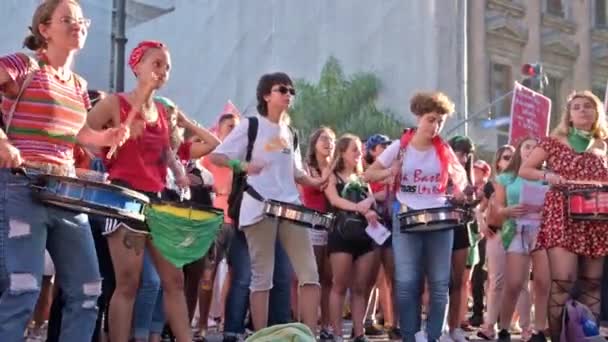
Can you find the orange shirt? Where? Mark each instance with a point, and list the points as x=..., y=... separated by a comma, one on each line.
x=222, y=177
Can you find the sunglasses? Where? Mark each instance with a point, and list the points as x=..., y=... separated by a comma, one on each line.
x=506, y=157
x=284, y=90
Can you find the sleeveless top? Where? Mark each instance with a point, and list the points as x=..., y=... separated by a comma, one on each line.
x=142, y=161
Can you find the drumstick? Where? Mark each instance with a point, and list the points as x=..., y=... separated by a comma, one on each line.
x=127, y=123
x=138, y=105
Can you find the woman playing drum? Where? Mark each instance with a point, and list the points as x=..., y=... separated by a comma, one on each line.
x=141, y=164
x=576, y=151
x=424, y=163
x=50, y=105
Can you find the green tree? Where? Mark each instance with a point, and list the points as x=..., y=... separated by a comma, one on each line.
x=347, y=104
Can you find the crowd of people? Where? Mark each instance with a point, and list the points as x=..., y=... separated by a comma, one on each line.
x=425, y=242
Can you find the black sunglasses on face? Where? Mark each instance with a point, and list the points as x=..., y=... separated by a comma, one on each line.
x=506, y=157
x=284, y=90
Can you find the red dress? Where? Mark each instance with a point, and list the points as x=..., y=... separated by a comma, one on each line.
x=587, y=238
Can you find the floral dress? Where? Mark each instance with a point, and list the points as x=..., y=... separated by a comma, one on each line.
x=587, y=238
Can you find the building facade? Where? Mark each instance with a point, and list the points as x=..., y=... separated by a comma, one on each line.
x=569, y=38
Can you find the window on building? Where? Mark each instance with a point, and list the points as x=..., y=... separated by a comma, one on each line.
x=501, y=82
x=601, y=13
x=599, y=90
x=555, y=7
x=553, y=91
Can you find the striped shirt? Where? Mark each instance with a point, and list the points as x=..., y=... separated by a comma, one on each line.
x=49, y=114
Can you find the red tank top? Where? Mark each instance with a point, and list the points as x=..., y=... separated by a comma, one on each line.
x=141, y=162
x=313, y=198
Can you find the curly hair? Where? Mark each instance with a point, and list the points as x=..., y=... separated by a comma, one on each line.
x=427, y=102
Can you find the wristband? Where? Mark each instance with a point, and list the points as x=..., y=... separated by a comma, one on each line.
x=235, y=165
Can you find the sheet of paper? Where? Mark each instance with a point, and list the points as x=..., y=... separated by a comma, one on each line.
x=533, y=195
x=378, y=233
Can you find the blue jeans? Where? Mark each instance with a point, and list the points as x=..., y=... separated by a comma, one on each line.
x=420, y=255
x=145, y=301
x=237, y=301
x=26, y=227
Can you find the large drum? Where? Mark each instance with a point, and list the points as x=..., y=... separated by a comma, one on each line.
x=298, y=214
x=183, y=232
x=427, y=220
x=590, y=204
x=89, y=197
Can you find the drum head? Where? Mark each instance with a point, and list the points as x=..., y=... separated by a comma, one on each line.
x=43, y=180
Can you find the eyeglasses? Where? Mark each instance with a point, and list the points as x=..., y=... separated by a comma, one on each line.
x=86, y=22
x=325, y=138
x=506, y=157
x=284, y=90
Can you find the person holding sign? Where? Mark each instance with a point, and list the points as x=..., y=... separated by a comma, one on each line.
x=518, y=235
x=423, y=163
x=575, y=154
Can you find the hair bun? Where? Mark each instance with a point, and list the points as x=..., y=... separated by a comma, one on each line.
x=32, y=43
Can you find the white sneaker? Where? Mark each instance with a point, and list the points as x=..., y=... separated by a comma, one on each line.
x=458, y=335
x=445, y=337
x=421, y=336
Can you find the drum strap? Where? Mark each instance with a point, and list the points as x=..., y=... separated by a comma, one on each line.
x=253, y=193
x=33, y=66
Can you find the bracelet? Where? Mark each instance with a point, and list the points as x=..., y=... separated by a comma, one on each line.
x=235, y=165
x=545, y=175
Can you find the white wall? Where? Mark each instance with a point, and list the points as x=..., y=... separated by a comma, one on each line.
x=221, y=47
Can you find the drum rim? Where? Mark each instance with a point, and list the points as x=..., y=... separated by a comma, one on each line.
x=313, y=211
x=187, y=205
x=91, y=208
x=126, y=191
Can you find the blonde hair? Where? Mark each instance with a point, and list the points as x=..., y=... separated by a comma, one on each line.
x=598, y=130
x=42, y=15
x=342, y=146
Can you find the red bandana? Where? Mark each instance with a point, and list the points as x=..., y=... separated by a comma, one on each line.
x=138, y=52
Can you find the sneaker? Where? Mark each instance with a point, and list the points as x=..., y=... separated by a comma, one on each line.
x=374, y=330
x=538, y=337
x=445, y=337
x=394, y=333
x=361, y=338
x=421, y=336
x=504, y=336
x=458, y=335
x=230, y=338
x=326, y=336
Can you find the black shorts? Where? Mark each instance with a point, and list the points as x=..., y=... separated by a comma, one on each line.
x=112, y=224
x=337, y=244
x=461, y=238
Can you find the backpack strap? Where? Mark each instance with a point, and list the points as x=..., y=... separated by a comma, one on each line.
x=252, y=134
x=294, y=133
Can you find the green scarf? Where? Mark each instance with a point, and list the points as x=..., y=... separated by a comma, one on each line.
x=579, y=140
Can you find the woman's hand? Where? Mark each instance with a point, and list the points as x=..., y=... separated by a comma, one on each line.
x=516, y=211
x=372, y=218
x=364, y=205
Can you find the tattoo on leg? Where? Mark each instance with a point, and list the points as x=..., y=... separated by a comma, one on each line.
x=135, y=241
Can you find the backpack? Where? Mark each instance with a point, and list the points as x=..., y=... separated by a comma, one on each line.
x=577, y=320
x=239, y=180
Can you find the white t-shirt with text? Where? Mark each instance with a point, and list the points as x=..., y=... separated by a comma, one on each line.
x=420, y=175
x=274, y=149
